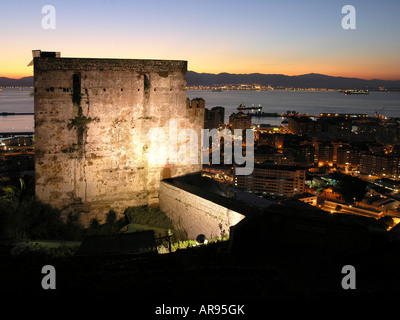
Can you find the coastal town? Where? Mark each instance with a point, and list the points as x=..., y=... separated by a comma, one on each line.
x=307, y=157
x=311, y=158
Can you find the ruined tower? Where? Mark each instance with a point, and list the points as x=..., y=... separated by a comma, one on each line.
x=95, y=121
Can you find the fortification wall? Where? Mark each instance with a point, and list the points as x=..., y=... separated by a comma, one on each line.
x=196, y=215
x=93, y=119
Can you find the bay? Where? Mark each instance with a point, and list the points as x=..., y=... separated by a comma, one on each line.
x=304, y=102
x=280, y=101
x=18, y=101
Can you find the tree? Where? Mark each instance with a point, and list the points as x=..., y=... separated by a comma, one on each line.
x=352, y=188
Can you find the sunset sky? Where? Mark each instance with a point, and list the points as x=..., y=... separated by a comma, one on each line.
x=289, y=37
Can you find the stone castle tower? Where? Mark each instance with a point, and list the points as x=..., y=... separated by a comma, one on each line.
x=94, y=120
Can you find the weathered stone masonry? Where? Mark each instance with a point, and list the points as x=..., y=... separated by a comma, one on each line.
x=194, y=214
x=92, y=119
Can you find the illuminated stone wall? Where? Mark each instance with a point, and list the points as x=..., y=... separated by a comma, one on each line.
x=194, y=214
x=93, y=118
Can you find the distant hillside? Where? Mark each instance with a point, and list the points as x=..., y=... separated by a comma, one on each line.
x=22, y=82
x=311, y=80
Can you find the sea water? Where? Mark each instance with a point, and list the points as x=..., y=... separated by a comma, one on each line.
x=279, y=101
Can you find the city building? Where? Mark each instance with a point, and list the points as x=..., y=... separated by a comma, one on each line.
x=220, y=115
x=349, y=155
x=275, y=158
x=383, y=204
x=273, y=180
x=239, y=120
x=222, y=173
x=325, y=154
x=305, y=155
x=214, y=118
x=273, y=140
x=18, y=141
x=301, y=125
x=389, y=184
x=380, y=164
x=382, y=129
x=334, y=124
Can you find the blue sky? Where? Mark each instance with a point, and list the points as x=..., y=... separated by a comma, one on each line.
x=288, y=37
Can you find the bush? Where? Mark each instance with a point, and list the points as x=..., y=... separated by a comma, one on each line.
x=32, y=251
x=22, y=216
x=31, y=219
x=111, y=217
x=72, y=229
x=148, y=216
x=154, y=217
x=111, y=225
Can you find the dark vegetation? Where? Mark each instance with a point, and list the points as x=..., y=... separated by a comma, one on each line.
x=149, y=216
x=351, y=188
x=23, y=216
x=80, y=122
x=196, y=275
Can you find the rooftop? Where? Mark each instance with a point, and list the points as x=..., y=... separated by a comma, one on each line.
x=53, y=61
x=228, y=197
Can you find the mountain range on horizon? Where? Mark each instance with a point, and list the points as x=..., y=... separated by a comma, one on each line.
x=311, y=80
x=21, y=82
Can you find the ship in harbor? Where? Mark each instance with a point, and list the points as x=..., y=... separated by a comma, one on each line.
x=243, y=107
x=346, y=92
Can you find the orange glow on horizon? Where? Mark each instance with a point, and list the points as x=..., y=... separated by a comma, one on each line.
x=269, y=38
x=18, y=68
x=16, y=75
x=342, y=70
